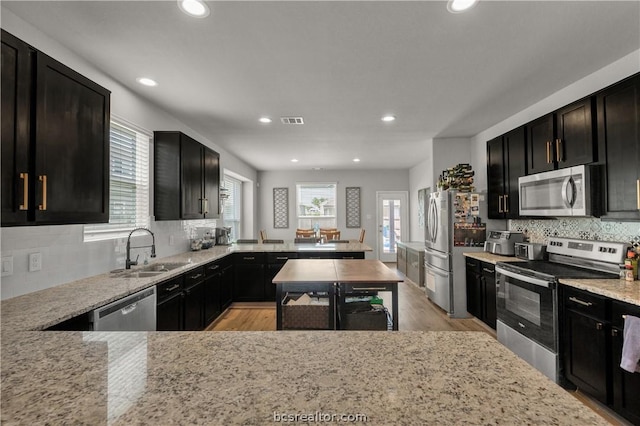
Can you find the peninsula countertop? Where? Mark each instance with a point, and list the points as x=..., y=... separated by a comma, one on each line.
x=42, y=309
x=250, y=378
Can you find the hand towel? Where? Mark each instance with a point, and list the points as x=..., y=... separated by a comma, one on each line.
x=631, y=345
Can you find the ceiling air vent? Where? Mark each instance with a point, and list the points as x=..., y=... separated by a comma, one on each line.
x=292, y=120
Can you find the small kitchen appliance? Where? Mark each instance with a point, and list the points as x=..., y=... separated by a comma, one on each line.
x=503, y=242
x=531, y=251
x=222, y=236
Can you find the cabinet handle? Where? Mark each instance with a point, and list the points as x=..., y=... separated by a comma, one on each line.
x=368, y=289
x=491, y=271
x=43, y=179
x=599, y=326
x=548, y=151
x=213, y=267
x=195, y=277
x=351, y=257
x=614, y=332
x=506, y=208
x=500, y=204
x=206, y=206
x=282, y=258
x=25, y=191
x=559, y=150
x=638, y=192
x=173, y=287
x=249, y=258
x=580, y=302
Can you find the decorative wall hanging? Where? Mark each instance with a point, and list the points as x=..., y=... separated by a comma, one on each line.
x=280, y=207
x=422, y=199
x=353, y=207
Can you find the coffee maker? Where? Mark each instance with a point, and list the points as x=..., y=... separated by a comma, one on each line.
x=222, y=236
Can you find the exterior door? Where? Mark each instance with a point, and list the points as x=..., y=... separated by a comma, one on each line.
x=393, y=223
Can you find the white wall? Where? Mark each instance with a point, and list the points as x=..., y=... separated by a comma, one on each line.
x=369, y=182
x=65, y=257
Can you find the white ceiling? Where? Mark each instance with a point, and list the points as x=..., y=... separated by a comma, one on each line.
x=341, y=65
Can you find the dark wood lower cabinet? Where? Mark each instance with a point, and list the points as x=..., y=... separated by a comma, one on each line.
x=481, y=291
x=194, y=307
x=169, y=314
x=249, y=277
x=625, y=385
x=226, y=287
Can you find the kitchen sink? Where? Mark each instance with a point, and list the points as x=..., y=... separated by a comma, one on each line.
x=163, y=267
x=150, y=270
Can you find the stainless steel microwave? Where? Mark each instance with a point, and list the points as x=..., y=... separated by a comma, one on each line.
x=564, y=192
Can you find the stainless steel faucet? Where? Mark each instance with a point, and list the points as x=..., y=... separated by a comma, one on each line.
x=129, y=263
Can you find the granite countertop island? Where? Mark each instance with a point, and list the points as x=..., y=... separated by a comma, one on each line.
x=250, y=378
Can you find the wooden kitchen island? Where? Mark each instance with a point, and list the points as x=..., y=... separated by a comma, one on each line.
x=326, y=275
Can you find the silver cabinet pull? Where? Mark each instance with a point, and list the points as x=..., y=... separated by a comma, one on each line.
x=599, y=326
x=173, y=287
x=249, y=258
x=500, y=209
x=491, y=271
x=195, y=277
x=43, y=179
x=559, y=150
x=580, y=302
x=506, y=207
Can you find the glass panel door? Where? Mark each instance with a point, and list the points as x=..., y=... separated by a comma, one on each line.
x=392, y=223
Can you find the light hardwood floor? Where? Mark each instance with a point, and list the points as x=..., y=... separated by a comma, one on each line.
x=417, y=313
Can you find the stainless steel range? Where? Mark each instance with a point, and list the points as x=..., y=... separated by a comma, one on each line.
x=527, y=300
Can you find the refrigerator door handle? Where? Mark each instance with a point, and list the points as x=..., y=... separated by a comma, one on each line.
x=435, y=254
x=435, y=221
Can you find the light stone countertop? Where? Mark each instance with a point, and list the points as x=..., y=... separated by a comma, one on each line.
x=491, y=258
x=229, y=378
x=42, y=309
x=413, y=245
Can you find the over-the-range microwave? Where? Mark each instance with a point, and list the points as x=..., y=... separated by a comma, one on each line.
x=574, y=191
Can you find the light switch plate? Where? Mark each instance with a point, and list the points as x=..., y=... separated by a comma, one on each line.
x=7, y=266
x=35, y=262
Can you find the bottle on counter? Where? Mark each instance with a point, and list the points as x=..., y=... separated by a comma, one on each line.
x=631, y=266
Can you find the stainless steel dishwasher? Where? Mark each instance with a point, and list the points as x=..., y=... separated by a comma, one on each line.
x=136, y=312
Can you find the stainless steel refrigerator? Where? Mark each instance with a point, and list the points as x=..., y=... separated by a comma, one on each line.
x=455, y=223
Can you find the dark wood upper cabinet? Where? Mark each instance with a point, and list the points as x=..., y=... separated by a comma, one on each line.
x=505, y=164
x=55, y=141
x=563, y=138
x=16, y=128
x=618, y=111
x=186, y=178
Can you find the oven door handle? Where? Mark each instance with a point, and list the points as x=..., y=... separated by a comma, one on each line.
x=526, y=279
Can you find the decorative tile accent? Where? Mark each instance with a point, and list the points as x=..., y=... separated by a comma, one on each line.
x=353, y=206
x=422, y=197
x=539, y=230
x=280, y=207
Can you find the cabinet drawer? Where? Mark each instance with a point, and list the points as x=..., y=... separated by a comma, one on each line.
x=193, y=277
x=618, y=309
x=349, y=255
x=249, y=258
x=586, y=303
x=212, y=268
x=346, y=288
x=168, y=288
x=472, y=264
x=276, y=258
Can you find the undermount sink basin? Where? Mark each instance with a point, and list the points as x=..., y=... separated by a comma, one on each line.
x=143, y=274
x=151, y=270
x=163, y=267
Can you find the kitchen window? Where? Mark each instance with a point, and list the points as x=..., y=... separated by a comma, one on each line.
x=232, y=210
x=316, y=204
x=129, y=183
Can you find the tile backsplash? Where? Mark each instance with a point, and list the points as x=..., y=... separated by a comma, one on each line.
x=539, y=230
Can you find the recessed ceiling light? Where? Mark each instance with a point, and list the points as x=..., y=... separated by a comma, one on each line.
x=356, y=160
x=265, y=120
x=147, y=81
x=457, y=6
x=195, y=8
x=388, y=118
x=294, y=160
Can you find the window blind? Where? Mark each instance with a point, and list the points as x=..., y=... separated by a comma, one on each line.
x=316, y=204
x=232, y=213
x=129, y=183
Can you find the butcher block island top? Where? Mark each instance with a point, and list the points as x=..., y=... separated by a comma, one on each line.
x=335, y=271
x=251, y=378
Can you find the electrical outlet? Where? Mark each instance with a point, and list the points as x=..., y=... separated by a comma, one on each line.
x=35, y=262
x=7, y=266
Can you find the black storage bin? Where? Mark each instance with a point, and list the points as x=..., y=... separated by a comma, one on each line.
x=361, y=315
